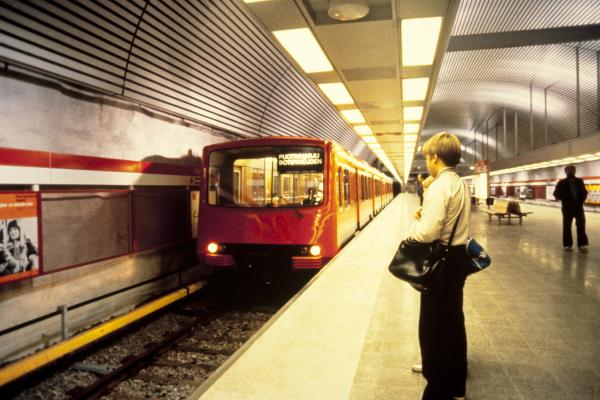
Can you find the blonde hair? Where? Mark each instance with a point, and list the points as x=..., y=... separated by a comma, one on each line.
x=446, y=146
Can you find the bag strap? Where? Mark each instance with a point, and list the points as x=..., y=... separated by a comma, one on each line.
x=462, y=206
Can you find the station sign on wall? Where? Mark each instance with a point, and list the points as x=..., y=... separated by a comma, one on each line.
x=19, y=236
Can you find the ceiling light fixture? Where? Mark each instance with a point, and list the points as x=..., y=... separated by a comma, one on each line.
x=363, y=129
x=353, y=116
x=336, y=93
x=347, y=10
x=304, y=48
x=413, y=113
x=411, y=128
x=419, y=40
x=414, y=89
x=369, y=139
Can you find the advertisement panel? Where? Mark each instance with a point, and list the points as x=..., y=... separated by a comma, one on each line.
x=19, y=236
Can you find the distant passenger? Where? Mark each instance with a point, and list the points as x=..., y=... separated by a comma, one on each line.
x=442, y=333
x=572, y=193
x=420, y=189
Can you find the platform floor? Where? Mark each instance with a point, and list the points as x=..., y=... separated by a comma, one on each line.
x=533, y=321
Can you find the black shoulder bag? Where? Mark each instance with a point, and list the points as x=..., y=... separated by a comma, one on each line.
x=421, y=264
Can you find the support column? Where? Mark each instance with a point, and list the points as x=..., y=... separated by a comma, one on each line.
x=577, y=94
x=516, y=136
x=545, y=116
x=531, y=115
x=504, y=150
x=598, y=90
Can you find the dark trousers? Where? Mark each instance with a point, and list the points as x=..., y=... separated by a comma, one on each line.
x=579, y=215
x=442, y=333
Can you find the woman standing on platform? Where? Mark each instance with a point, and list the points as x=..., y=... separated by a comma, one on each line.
x=442, y=334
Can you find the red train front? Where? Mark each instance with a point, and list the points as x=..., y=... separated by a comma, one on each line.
x=273, y=202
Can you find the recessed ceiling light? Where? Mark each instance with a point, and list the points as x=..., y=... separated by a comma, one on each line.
x=353, y=116
x=363, y=129
x=304, y=48
x=414, y=89
x=413, y=113
x=419, y=40
x=411, y=128
x=336, y=93
x=369, y=139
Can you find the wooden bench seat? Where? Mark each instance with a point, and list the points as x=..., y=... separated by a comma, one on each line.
x=500, y=210
x=506, y=209
x=515, y=209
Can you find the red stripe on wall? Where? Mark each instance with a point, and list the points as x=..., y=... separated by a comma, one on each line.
x=148, y=167
x=24, y=158
x=70, y=161
x=42, y=159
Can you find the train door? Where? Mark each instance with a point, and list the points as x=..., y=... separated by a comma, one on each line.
x=355, y=181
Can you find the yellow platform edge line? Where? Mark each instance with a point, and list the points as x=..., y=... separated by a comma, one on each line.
x=30, y=363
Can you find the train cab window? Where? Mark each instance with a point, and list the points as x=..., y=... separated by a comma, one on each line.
x=274, y=176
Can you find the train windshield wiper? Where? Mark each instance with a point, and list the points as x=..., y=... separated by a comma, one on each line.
x=291, y=205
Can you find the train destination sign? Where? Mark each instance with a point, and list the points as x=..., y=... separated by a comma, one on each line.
x=300, y=161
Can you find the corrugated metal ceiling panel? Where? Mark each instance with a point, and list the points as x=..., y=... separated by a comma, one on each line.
x=487, y=16
x=204, y=60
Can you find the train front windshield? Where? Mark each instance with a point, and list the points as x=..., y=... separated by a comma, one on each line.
x=274, y=176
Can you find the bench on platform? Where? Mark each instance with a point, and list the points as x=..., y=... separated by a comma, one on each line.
x=515, y=209
x=500, y=210
x=506, y=209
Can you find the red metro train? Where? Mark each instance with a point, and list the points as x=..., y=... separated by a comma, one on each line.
x=290, y=203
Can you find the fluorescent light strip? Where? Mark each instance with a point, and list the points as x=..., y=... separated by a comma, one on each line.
x=304, y=48
x=419, y=40
x=411, y=128
x=353, y=116
x=414, y=89
x=413, y=113
x=363, y=129
x=369, y=139
x=336, y=93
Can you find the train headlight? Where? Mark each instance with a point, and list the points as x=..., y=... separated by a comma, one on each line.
x=212, y=248
x=315, y=250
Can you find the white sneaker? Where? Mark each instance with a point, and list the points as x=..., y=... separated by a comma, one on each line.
x=568, y=248
x=583, y=249
x=418, y=368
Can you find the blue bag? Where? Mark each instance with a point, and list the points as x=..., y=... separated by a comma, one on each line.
x=478, y=257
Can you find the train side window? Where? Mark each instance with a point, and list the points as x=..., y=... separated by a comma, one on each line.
x=346, y=188
x=340, y=194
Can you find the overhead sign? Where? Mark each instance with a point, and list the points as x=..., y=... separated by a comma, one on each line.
x=300, y=161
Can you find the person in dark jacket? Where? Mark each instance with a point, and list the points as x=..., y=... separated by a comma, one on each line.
x=572, y=193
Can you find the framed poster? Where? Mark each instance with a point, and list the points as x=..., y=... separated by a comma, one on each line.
x=19, y=236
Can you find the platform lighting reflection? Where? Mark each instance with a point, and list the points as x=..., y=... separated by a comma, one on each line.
x=336, y=93
x=414, y=89
x=412, y=113
x=353, y=116
x=304, y=48
x=419, y=40
x=363, y=129
x=255, y=1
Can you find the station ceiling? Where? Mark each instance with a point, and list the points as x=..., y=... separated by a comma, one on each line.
x=497, y=65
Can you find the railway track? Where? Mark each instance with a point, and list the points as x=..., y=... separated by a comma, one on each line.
x=169, y=355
